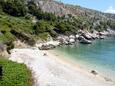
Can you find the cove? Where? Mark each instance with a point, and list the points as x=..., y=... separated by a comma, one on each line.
x=99, y=56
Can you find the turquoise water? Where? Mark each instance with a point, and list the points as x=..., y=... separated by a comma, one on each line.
x=99, y=56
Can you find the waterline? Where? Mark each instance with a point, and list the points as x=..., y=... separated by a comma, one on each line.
x=100, y=55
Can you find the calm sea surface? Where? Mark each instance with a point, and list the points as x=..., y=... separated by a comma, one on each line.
x=99, y=56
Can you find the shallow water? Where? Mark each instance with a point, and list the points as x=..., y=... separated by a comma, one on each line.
x=99, y=56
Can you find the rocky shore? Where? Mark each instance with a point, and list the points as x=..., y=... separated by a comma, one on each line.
x=82, y=36
x=49, y=71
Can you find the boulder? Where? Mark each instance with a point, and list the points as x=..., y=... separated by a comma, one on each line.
x=87, y=36
x=66, y=42
x=111, y=32
x=77, y=36
x=47, y=47
x=63, y=39
x=80, y=38
x=71, y=41
x=55, y=43
x=95, y=36
x=72, y=37
x=104, y=33
x=84, y=41
x=94, y=72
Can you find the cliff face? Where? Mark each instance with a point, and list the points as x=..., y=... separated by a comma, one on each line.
x=61, y=9
x=52, y=7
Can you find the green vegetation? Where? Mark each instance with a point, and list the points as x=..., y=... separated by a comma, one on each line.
x=42, y=26
x=36, y=11
x=14, y=74
x=18, y=15
x=19, y=24
x=16, y=22
x=14, y=7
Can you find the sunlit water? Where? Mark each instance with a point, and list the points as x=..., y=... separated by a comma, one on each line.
x=99, y=56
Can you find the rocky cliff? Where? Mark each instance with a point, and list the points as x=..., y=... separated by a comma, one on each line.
x=61, y=9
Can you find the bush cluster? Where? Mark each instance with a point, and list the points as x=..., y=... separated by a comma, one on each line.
x=14, y=74
x=14, y=7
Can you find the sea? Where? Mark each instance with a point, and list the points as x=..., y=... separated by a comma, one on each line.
x=98, y=56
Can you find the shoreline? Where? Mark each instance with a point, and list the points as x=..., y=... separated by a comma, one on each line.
x=77, y=66
x=50, y=70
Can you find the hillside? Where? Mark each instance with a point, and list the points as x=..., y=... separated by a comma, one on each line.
x=46, y=24
x=59, y=8
x=37, y=19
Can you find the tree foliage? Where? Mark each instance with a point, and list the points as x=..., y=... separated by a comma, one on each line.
x=14, y=7
x=42, y=26
x=36, y=11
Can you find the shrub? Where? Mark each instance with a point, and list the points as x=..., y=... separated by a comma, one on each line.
x=42, y=26
x=14, y=74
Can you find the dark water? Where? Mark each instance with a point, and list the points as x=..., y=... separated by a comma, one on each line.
x=100, y=55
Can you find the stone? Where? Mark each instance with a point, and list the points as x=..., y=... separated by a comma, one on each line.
x=72, y=37
x=47, y=47
x=72, y=40
x=77, y=36
x=94, y=72
x=87, y=36
x=84, y=41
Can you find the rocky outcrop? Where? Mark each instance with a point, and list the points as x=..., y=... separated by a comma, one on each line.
x=63, y=39
x=61, y=9
x=47, y=47
x=84, y=41
x=87, y=36
x=19, y=44
x=83, y=37
x=52, y=6
x=111, y=32
x=71, y=39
